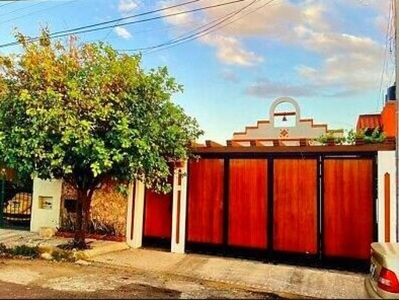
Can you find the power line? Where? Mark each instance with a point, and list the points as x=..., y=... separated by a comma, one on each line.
x=77, y=32
x=38, y=11
x=195, y=34
x=56, y=35
x=124, y=18
x=74, y=30
x=23, y=8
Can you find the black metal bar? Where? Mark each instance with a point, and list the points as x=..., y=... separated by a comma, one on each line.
x=226, y=196
x=270, y=204
x=320, y=206
x=375, y=197
x=187, y=203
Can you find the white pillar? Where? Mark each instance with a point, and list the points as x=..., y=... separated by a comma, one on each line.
x=386, y=165
x=179, y=209
x=135, y=215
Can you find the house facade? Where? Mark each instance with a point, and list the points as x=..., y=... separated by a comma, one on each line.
x=272, y=191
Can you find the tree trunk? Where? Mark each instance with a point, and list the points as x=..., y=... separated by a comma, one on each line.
x=82, y=219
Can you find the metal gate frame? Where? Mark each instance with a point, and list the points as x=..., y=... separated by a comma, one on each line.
x=270, y=254
x=16, y=205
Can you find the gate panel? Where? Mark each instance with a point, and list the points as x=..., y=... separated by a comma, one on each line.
x=348, y=207
x=15, y=200
x=247, y=203
x=158, y=215
x=205, y=201
x=295, y=205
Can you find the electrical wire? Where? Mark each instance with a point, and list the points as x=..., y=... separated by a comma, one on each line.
x=39, y=11
x=77, y=32
x=196, y=33
x=23, y=8
x=124, y=18
x=118, y=21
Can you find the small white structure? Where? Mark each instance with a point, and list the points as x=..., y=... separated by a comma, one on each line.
x=268, y=130
x=46, y=204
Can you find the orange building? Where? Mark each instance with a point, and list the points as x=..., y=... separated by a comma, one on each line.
x=385, y=120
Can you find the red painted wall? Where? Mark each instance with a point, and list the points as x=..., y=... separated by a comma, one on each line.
x=158, y=215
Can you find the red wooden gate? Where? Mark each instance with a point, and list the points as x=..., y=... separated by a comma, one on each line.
x=205, y=201
x=319, y=206
x=348, y=207
x=247, y=225
x=295, y=205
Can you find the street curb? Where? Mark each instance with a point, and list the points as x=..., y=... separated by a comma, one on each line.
x=96, y=251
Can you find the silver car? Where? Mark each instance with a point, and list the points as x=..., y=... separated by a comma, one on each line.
x=382, y=281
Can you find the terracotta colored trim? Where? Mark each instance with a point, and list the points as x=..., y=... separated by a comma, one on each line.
x=251, y=127
x=232, y=143
x=387, y=200
x=212, y=144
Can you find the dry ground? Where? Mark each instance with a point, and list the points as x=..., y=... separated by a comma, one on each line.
x=24, y=278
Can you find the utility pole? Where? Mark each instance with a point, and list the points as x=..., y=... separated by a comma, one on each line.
x=396, y=10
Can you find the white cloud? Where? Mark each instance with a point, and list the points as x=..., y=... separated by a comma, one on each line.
x=353, y=63
x=230, y=51
x=122, y=32
x=266, y=88
x=346, y=60
x=178, y=18
x=126, y=6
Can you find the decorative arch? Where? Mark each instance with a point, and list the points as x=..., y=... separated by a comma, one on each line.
x=278, y=101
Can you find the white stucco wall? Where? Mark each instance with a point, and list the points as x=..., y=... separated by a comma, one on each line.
x=47, y=216
x=305, y=129
x=135, y=216
x=386, y=164
x=179, y=210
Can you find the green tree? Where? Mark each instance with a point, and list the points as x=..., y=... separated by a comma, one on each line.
x=85, y=113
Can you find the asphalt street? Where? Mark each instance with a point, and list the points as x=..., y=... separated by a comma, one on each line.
x=41, y=279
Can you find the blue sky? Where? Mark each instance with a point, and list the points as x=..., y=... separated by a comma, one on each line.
x=334, y=57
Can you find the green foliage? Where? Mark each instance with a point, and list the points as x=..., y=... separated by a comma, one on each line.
x=376, y=136
x=23, y=250
x=86, y=112
x=329, y=136
x=351, y=136
x=3, y=248
x=63, y=255
x=35, y=252
x=20, y=250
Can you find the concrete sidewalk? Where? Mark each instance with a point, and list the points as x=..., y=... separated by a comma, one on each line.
x=301, y=281
x=285, y=279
